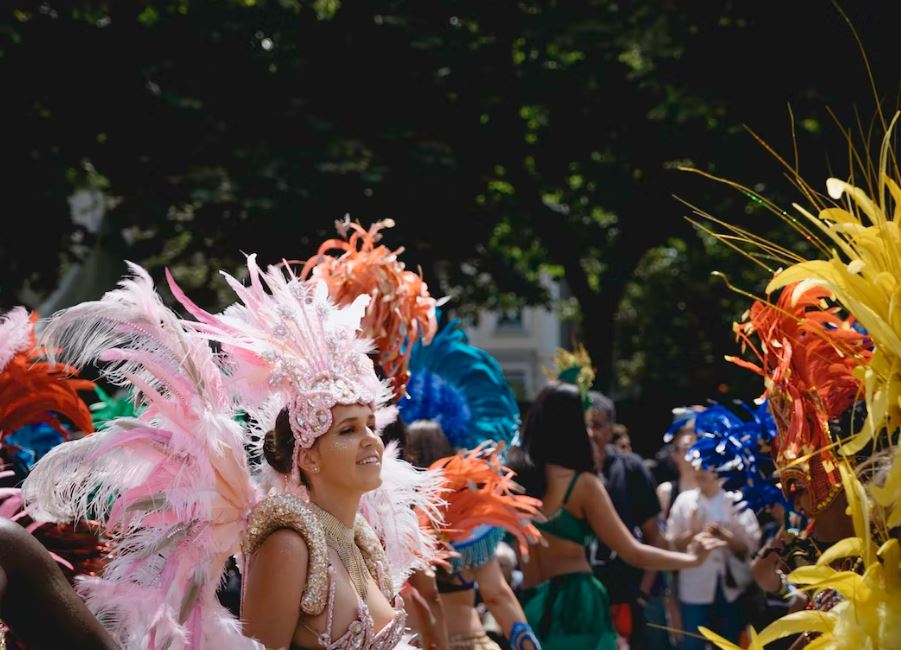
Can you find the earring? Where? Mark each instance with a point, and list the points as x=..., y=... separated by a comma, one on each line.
x=314, y=468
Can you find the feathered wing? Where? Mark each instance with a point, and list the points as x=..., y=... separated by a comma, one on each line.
x=171, y=486
x=403, y=512
x=463, y=389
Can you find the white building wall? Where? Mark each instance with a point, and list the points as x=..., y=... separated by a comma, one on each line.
x=524, y=344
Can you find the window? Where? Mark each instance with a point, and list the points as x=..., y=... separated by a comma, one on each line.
x=519, y=382
x=510, y=321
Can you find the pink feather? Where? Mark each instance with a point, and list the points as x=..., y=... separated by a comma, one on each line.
x=173, y=484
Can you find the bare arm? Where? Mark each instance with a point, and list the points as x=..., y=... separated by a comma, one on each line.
x=650, y=532
x=607, y=525
x=498, y=596
x=434, y=627
x=274, y=588
x=37, y=601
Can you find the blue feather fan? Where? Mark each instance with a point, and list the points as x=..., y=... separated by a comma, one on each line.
x=462, y=388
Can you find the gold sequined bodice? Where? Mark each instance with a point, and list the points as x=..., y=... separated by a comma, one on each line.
x=289, y=511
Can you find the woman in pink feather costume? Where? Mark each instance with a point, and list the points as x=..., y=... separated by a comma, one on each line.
x=325, y=541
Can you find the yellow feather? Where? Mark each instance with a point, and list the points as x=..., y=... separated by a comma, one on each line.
x=852, y=546
x=717, y=640
x=806, y=621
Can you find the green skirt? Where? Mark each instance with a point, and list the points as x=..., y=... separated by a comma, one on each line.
x=570, y=612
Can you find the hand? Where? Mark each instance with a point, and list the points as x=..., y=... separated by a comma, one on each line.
x=702, y=545
x=727, y=534
x=720, y=532
x=695, y=526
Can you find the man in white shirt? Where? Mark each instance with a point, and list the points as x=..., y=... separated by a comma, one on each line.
x=708, y=593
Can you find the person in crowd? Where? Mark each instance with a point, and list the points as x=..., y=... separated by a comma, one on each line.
x=633, y=493
x=681, y=436
x=563, y=601
x=708, y=593
x=462, y=414
x=471, y=572
x=621, y=439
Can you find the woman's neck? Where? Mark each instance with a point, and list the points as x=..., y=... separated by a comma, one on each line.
x=341, y=506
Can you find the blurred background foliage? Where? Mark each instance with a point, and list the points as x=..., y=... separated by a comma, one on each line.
x=506, y=139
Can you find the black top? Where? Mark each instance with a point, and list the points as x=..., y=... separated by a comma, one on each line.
x=634, y=495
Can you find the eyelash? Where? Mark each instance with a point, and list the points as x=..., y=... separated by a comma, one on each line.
x=348, y=430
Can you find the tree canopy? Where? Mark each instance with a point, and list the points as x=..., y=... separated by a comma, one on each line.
x=505, y=140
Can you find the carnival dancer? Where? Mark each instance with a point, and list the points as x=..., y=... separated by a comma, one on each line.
x=810, y=357
x=564, y=603
x=463, y=413
x=854, y=584
x=174, y=488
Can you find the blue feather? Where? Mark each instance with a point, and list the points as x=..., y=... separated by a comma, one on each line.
x=462, y=388
x=476, y=549
x=30, y=443
x=738, y=450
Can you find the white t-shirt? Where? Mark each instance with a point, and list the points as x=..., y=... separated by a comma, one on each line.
x=697, y=586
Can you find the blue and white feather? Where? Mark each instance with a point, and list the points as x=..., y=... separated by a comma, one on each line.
x=738, y=450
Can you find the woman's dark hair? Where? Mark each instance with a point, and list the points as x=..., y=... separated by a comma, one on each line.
x=426, y=443
x=554, y=432
x=397, y=431
x=278, y=446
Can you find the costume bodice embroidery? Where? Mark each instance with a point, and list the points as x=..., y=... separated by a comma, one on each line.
x=361, y=634
x=288, y=511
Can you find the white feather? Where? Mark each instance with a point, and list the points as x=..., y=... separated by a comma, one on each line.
x=393, y=512
x=15, y=334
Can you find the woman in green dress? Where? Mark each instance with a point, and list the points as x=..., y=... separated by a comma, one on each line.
x=564, y=603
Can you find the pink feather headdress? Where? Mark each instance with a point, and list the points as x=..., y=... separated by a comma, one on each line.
x=287, y=336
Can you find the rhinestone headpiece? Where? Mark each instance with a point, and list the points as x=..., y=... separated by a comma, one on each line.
x=286, y=335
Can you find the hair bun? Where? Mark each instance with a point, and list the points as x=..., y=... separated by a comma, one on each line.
x=278, y=445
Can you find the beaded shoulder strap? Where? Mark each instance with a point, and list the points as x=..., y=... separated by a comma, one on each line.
x=374, y=555
x=288, y=511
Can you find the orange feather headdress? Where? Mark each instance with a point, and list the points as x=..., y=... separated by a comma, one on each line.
x=34, y=391
x=808, y=354
x=401, y=310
